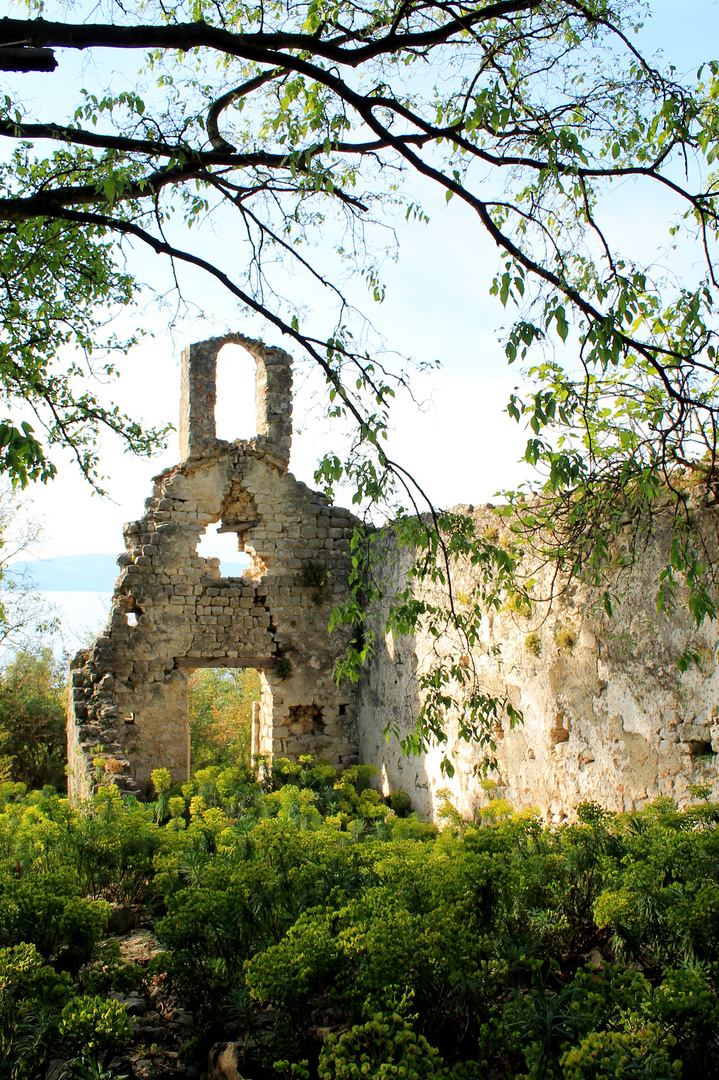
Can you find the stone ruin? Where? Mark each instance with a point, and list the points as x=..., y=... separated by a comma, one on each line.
x=173, y=611
x=608, y=715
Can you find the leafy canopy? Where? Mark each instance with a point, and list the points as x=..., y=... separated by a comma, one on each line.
x=288, y=122
x=220, y=715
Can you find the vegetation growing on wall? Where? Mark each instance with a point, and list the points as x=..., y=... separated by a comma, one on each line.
x=327, y=936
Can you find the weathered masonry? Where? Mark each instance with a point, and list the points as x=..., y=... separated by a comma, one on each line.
x=172, y=610
x=608, y=715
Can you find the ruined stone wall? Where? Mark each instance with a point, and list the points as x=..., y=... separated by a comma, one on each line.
x=94, y=743
x=607, y=713
x=172, y=610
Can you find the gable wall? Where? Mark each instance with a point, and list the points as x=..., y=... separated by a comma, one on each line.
x=172, y=610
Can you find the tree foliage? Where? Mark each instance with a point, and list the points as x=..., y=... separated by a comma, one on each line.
x=541, y=108
x=220, y=704
x=290, y=121
x=32, y=720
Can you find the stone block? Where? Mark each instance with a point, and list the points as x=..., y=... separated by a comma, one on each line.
x=558, y=735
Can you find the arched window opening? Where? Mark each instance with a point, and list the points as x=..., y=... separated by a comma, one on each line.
x=235, y=410
x=221, y=548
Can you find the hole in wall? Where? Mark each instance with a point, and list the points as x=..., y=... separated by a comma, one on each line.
x=235, y=409
x=132, y=614
x=700, y=748
x=309, y=717
x=223, y=551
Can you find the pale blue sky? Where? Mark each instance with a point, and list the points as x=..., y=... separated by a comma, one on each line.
x=462, y=446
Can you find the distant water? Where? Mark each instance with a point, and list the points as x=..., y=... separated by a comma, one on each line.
x=78, y=591
x=92, y=573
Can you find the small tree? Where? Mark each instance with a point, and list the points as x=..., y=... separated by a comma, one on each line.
x=32, y=720
x=24, y=615
x=221, y=715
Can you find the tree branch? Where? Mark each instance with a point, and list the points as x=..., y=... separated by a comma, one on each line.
x=186, y=36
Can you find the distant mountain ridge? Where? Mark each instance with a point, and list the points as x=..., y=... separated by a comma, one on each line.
x=84, y=573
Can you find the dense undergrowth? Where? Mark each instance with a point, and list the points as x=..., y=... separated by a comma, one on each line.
x=335, y=938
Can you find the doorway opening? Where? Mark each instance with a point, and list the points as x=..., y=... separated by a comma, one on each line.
x=223, y=704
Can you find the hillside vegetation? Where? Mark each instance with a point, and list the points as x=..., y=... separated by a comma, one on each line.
x=313, y=929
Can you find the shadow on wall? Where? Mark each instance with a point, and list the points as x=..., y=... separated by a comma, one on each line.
x=389, y=696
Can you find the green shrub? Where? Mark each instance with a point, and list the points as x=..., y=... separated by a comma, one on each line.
x=94, y=1025
x=385, y=1046
x=303, y=963
x=46, y=911
x=686, y=1006
x=400, y=802
x=603, y=996
x=32, y=996
x=31, y=910
x=411, y=828
x=83, y=923
x=606, y=1055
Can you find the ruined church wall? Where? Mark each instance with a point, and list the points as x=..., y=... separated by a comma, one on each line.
x=608, y=715
x=189, y=616
x=173, y=611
